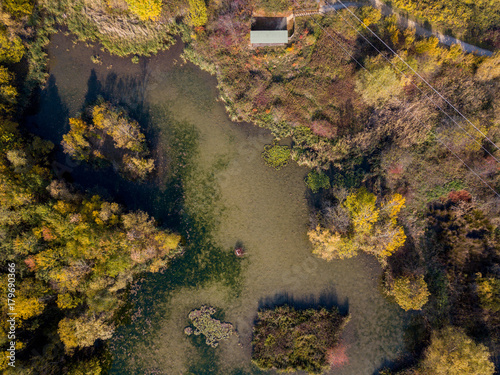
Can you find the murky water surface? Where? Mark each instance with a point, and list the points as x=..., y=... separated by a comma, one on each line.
x=235, y=197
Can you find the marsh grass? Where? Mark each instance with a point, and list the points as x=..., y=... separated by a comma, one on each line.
x=119, y=32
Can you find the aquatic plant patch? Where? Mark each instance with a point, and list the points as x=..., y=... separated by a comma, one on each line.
x=276, y=156
x=204, y=324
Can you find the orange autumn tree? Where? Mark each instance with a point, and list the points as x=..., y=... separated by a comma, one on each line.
x=373, y=228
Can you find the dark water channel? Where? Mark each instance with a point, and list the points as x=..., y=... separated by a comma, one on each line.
x=213, y=187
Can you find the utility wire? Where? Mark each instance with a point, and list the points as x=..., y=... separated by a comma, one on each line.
x=437, y=138
x=418, y=88
x=464, y=163
x=422, y=78
x=347, y=52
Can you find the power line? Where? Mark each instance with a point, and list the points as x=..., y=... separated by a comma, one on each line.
x=437, y=138
x=464, y=163
x=347, y=52
x=419, y=89
x=423, y=79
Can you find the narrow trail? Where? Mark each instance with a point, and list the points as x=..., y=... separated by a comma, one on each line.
x=405, y=22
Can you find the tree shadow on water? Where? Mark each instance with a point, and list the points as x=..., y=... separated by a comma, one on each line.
x=327, y=299
x=127, y=92
x=94, y=88
x=51, y=121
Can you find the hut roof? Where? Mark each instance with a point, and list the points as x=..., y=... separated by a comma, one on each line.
x=269, y=36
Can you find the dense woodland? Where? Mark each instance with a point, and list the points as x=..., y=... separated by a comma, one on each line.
x=75, y=255
x=386, y=156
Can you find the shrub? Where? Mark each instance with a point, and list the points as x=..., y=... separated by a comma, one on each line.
x=18, y=8
x=83, y=331
x=328, y=245
x=121, y=33
x=337, y=356
x=11, y=48
x=316, y=180
x=96, y=59
x=276, y=156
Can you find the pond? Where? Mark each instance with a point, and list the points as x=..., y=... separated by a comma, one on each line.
x=213, y=186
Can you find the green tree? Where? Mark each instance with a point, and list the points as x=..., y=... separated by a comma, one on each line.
x=92, y=366
x=8, y=93
x=317, y=180
x=452, y=352
x=289, y=340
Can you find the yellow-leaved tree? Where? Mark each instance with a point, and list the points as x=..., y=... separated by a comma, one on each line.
x=489, y=68
x=11, y=47
x=197, y=13
x=410, y=292
x=373, y=228
x=83, y=331
x=145, y=9
x=452, y=352
x=328, y=245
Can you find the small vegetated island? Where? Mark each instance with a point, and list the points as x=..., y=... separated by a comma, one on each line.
x=204, y=324
x=287, y=339
x=106, y=133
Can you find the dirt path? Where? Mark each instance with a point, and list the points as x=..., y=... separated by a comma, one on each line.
x=405, y=22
